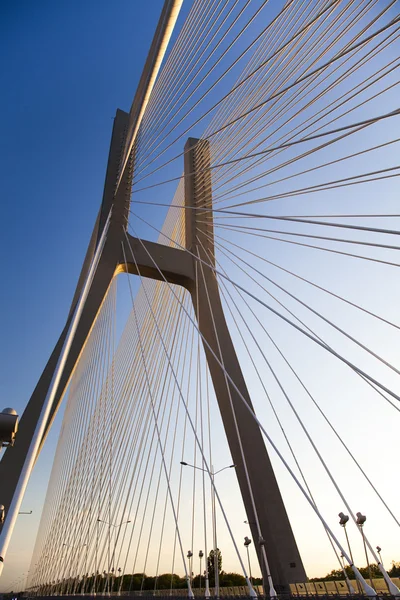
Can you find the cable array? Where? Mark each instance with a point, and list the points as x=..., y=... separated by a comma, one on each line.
x=298, y=103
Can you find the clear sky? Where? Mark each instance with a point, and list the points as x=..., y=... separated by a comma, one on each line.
x=66, y=68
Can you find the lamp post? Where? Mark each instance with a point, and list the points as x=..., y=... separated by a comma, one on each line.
x=86, y=571
x=120, y=581
x=201, y=554
x=343, y=522
x=349, y=585
x=189, y=557
x=84, y=579
x=360, y=522
x=247, y=542
x=115, y=525
x=106, y=578
x=119, y=525
x=77, y=559
x=379, y=550
x=214, y=520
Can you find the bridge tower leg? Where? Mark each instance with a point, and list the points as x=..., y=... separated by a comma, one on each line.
x=283, y=556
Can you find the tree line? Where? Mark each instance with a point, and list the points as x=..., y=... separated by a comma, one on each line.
x=337, y=574
x=115, y=581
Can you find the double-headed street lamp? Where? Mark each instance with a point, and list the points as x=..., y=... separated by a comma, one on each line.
x=116, y=526
x=77, y=560
x=214, y=520
x=112, y=524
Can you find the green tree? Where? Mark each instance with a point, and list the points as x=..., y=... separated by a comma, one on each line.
x=132, y=582
x=148, y=583
x=164, y=581
x=211, y=565
x=395, y=570
x=375, y=572
x=231, y=579
x=337, y=574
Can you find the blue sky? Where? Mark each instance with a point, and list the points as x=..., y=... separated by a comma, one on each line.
x=61, y=86
x=66, y=68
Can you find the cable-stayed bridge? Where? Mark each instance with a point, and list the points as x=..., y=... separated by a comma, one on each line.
x=266, y=135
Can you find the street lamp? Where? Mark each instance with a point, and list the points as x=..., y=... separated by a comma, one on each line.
x=112, y=524
x=214, y=519
x=106, y=582
x=185, y=464
x=360, y=522
x=77, y=559
x=247, y=542
x=379, y=550
x=201, y=554
x=95, y=575
x=119, y=575
x=189, y=556
x=343, y=522
x=74, y=547
x=84, y=580
x=115, y=525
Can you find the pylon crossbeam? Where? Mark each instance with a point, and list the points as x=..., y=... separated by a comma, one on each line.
x=176, y=265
